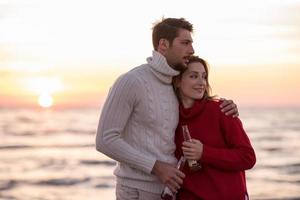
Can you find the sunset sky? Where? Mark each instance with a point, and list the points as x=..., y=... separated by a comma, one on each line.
x=68, y=53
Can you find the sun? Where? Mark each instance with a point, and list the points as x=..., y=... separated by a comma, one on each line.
x=44, y=88
x=45, y=100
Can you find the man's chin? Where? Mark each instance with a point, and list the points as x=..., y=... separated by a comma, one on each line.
x=180, y=67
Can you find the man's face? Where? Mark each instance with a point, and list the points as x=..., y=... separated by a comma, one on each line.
x=178, y=53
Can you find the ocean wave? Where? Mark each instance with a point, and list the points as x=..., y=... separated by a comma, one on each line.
x=7, y=184
x=103, y=185
x=96, y=182
x=293, y=169
x=62, y=181
x=7, y=197
x=98, y=162
x=14, y=146
x=281, y=180
x=25, y=119
x=21, y=146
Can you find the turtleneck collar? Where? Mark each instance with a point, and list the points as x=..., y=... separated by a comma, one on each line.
x=196, y=109
x=160, y=67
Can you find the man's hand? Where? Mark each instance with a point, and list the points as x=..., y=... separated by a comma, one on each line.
x=229, y=107
x=169, y=175
x=192, y=150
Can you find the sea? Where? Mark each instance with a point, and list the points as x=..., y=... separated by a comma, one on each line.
x=49, y=154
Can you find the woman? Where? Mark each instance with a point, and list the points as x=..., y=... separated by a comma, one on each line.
x=219, y=144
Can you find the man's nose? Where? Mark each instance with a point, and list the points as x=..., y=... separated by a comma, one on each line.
x=191, y=50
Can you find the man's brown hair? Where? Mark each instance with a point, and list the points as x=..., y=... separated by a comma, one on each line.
x=168, y=29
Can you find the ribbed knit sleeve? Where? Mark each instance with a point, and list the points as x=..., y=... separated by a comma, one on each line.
x=239, y=155
x=115, y=114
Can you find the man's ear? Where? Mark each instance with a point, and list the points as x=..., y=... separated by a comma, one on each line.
x=163, y=44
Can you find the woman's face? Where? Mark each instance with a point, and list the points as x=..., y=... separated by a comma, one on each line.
x=193, y=82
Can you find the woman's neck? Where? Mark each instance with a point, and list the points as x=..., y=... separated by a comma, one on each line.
x=187, y=102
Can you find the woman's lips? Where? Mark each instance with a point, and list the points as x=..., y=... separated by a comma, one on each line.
x=199, y=89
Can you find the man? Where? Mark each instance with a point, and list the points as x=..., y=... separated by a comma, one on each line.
x=140, y=115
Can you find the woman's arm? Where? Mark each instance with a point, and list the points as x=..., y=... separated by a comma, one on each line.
x=238, y=155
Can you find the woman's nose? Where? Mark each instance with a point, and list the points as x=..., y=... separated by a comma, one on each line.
x=201, y=81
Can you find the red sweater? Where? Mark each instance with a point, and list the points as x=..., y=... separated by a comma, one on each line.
x=227, y=153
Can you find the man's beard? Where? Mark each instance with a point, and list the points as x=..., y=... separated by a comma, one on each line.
x=179, y=67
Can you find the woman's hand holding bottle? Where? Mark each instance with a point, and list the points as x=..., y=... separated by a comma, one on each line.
x=193, y=149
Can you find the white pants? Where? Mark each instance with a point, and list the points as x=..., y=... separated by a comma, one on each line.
x=127, y=193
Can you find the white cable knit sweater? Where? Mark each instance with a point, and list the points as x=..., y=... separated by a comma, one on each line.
x=138, y=123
